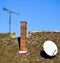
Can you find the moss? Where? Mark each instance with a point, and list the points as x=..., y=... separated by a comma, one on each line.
x=9, y=49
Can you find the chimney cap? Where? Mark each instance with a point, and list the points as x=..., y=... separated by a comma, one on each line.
x=23, y=22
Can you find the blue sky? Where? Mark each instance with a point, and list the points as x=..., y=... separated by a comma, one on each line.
x=39, y=14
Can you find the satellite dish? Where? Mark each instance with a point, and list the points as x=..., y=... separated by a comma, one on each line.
x=50, y=48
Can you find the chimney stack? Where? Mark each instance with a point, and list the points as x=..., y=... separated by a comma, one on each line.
x=23, y=37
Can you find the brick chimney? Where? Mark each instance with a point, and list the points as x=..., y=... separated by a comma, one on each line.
x=23, y=37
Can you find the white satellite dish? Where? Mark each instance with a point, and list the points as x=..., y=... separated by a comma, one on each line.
x=50, y=48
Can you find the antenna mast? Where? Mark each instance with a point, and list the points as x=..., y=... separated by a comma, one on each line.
x=10, y=12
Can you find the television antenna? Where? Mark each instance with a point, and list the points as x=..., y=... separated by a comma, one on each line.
x=10, y=12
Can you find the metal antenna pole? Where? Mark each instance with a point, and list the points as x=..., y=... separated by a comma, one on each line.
x=9, y=22
x=10, y=12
